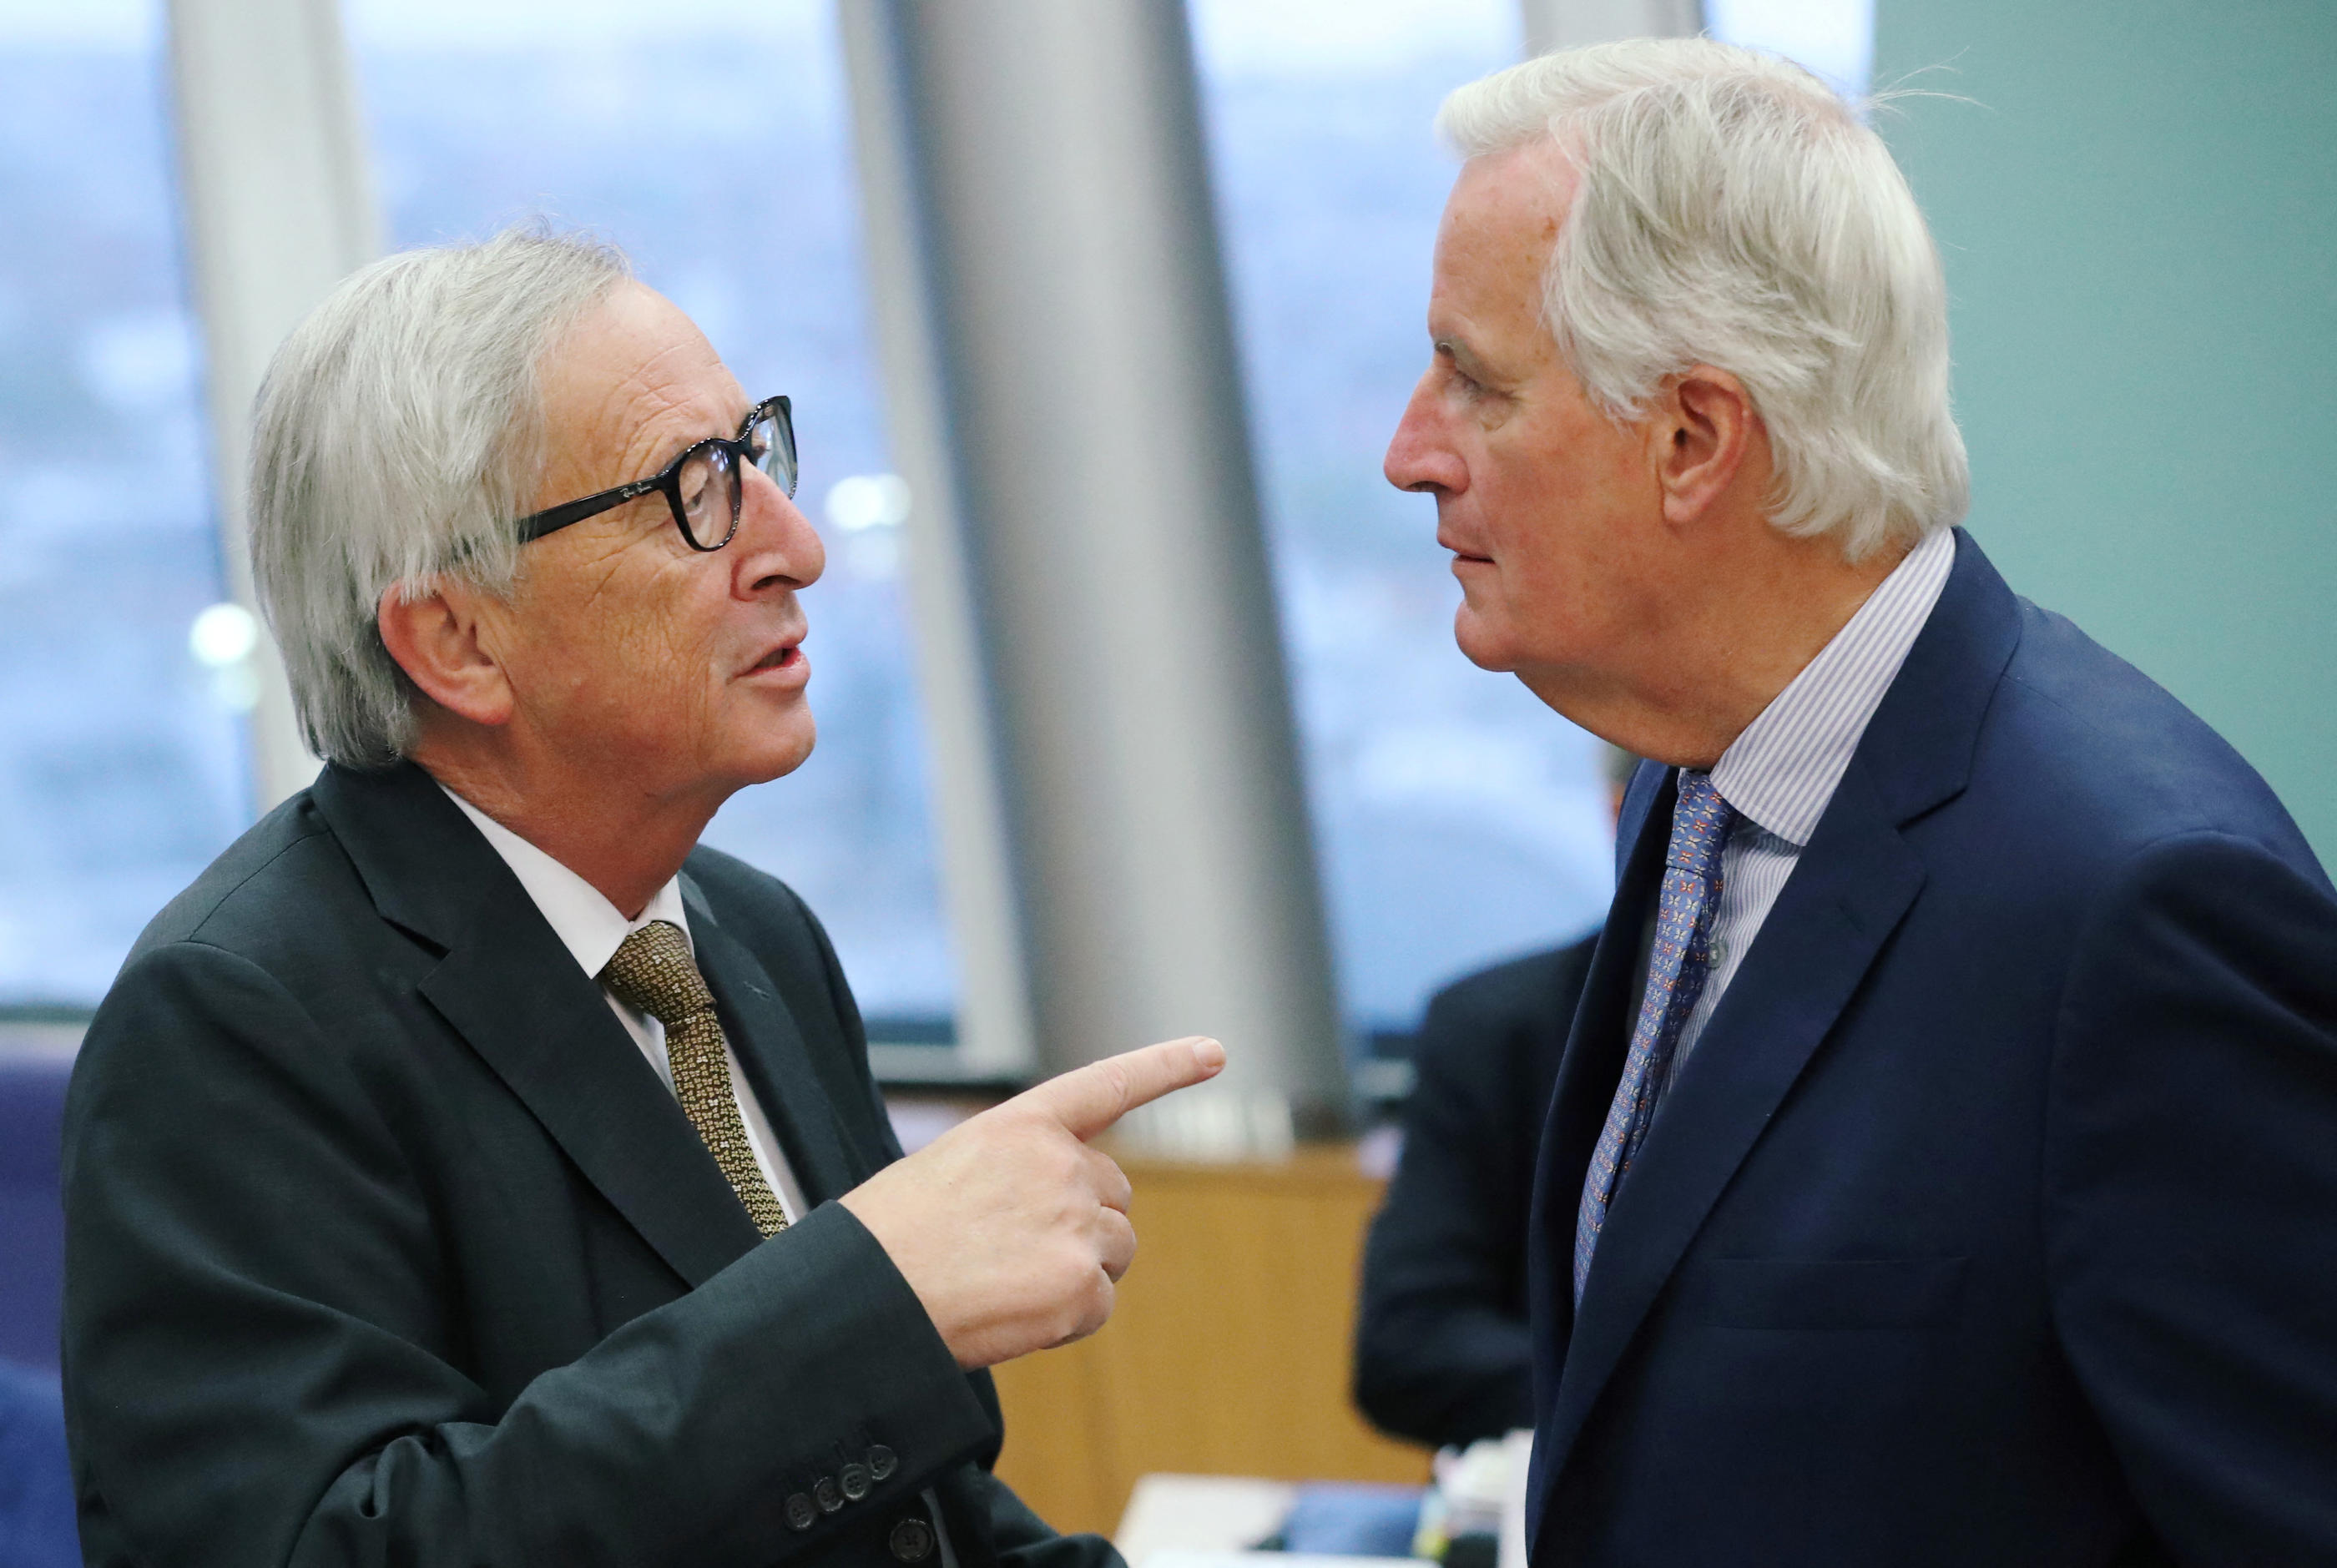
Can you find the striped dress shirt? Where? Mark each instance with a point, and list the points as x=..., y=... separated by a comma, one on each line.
x=1782, y=772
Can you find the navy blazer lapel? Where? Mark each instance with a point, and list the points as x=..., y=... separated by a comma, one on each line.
x=514, y=994
x=1591, y=1065
x=1855, y=883
x=1588, y=1074
x=1852, y=888
x=771, y=1052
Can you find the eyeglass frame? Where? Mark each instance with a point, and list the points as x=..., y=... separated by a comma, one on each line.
x=781, y=410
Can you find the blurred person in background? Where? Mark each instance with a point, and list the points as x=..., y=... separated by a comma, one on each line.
x=1943, y=1160
x=468, y=1167
x=1443, y=1355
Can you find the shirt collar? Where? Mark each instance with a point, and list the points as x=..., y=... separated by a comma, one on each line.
x=1782, y=772
x=587, y=924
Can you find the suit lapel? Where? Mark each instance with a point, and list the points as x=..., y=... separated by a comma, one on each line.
x=1849, y=890
x=1855, y=883
x=513, y=992
x=771, y=1052
x=1588, y=1074
x=1593, y=1063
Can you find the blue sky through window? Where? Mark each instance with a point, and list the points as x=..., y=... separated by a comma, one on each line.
x=122, y=763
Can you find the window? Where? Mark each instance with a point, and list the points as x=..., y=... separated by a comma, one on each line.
x=711, y=140
x=123, y=767
x=1460, y=821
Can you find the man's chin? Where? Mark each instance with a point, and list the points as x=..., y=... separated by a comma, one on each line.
x=1482, y=645
x=779, y=757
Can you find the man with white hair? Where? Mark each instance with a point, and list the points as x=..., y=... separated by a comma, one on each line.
x=1944, y=1156
x=468, y=1167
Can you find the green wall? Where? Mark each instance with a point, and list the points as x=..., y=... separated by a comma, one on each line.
x=2138, y=215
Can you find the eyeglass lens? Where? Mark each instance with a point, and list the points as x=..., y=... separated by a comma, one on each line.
x=706, y=494
x=773, y=442
x=708, y=491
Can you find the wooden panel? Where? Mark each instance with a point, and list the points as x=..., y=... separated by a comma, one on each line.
x=1227, y=1353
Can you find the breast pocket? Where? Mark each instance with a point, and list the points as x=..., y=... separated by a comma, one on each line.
x=1806, y=1294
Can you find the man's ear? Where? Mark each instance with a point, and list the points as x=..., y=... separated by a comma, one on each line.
x=1707, y=428
x=435, y=637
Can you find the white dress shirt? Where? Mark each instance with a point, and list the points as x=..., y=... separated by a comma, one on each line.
x=592, y=929
x=1781, y=774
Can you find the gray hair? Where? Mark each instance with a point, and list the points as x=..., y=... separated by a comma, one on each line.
x=1733, y=211
x=399, y=434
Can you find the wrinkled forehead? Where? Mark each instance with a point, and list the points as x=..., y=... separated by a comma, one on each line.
x=634, y=378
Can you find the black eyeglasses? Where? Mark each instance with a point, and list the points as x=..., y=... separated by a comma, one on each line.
x=705, y=486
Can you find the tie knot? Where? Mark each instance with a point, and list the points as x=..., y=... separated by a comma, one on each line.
x=1699, y=825
x=653, y=971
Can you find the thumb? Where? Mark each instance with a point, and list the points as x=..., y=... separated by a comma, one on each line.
x=1086, y=1100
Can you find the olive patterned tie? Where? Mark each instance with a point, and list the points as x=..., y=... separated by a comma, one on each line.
x=654, y=973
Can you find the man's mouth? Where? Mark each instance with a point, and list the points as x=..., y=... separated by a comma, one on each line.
x=1459, y=553
x=779, y=658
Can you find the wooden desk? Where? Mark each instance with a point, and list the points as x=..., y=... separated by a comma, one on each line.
x=1227, y=1352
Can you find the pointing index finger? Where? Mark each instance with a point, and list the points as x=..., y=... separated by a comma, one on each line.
x=1088, y=1100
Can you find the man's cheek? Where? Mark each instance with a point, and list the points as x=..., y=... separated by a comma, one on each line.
x=666, y=643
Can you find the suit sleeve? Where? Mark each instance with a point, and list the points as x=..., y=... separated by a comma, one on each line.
x=262, y=1366
x=2191, y=1192
x=979, y=1502
x=1442, y=1352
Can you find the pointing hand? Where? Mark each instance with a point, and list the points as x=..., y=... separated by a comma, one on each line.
x=1010, y=1228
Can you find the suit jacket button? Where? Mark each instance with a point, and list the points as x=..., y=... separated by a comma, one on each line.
x=801, y=1515
x=882, y=1462
x=911, y=1540
x=855, y=1481
x=831, y=1499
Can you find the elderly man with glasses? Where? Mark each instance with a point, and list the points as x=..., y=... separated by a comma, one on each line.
x=469, y=1167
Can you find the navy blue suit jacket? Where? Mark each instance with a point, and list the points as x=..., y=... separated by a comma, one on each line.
x=1992, y=1220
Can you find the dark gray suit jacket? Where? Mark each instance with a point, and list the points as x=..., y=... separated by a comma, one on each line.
x=384, y=1245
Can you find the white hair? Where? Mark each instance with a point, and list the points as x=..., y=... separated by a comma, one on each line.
x=398, y=437
x=1733, y=211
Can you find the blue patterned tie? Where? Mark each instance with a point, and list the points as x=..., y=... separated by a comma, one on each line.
x=1676, y=972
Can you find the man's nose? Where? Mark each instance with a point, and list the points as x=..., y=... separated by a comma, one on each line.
x=777, y=546
x=1419, y=456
